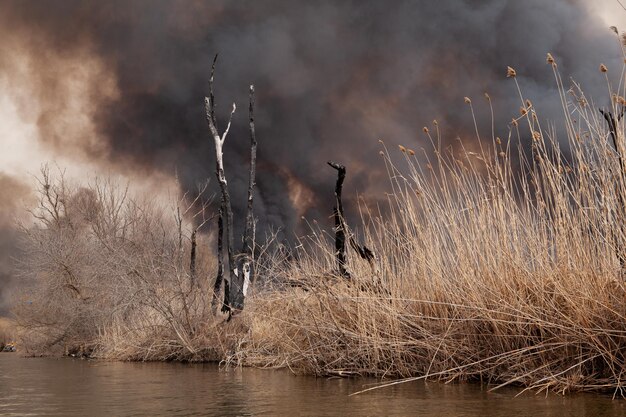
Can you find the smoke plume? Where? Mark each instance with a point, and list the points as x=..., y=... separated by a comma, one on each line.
x=122, y=83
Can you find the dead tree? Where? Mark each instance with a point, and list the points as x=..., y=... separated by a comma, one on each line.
x=611, y=122
x=341, y=230
x=246, y=264
x=236, y=286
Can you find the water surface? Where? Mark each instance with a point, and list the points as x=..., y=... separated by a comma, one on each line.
x=74, y=387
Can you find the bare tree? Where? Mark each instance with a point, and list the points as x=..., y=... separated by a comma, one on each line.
x=341, y=229
x=104, y=264
x=247, y=251
x=240, y=265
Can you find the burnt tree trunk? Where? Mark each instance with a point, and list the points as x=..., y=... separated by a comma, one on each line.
x=246, y=264
x=234, y=281
x=192, y=261
x=240, y=266
x=340, y=229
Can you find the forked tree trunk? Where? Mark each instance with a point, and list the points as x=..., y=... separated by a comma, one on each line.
x=235, y=288
x=234, y=283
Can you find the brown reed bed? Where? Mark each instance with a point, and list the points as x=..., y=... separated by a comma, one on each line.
x=502, y=266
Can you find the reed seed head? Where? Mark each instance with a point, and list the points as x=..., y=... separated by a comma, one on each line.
x=425, y=129
x=510, y=72
x=487, y=96
x=467, y=100
x=550, y=60
x=498, y=140
x=514, y=122
x=411, y=152
x=402, y=148
x=523, y=111
x=536, y=135
x=603, y=68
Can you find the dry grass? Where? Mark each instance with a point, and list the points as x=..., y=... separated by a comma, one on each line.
x=486, y=271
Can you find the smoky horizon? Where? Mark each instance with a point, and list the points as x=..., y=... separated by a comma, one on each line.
x=118, y=87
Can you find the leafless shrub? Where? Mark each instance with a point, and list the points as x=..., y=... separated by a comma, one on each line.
x=107, y=268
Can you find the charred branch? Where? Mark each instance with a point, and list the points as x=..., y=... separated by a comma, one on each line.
x=248, y=234
x=220, y=265
x=192, y=260
x=611, y=122
x=246, y=265
x=340, y=229
x=364, y=252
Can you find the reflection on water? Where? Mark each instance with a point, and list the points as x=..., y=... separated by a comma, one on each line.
x=67, y=387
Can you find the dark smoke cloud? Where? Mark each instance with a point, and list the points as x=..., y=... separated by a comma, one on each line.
x=332, y=78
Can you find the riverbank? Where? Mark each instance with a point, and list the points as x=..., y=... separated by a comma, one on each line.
x=501, y=264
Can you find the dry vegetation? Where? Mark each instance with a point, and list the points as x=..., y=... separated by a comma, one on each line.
x=7, y=332
x=107, y=274
x=503, y=266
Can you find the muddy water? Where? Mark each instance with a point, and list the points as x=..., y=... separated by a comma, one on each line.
x=68, y=387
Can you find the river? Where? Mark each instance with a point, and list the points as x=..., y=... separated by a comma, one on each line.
x=74, y=387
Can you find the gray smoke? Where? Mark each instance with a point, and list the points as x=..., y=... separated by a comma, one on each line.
x=332, y=79
x=12, y=194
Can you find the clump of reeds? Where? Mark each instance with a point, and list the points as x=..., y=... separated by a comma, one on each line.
x=502, y=266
